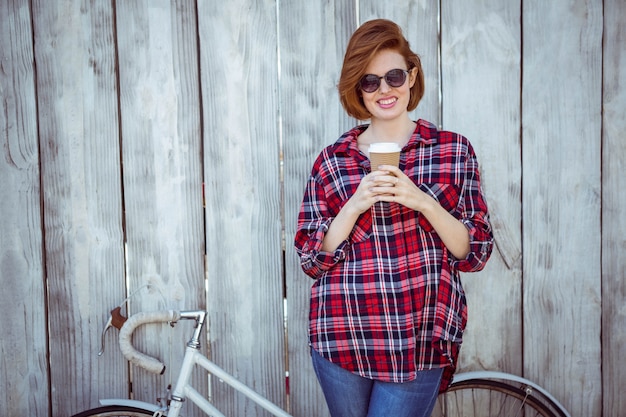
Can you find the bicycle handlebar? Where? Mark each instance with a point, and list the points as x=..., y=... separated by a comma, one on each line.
x=128, y=350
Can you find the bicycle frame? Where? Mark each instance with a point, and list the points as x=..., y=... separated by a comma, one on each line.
x=183, y=389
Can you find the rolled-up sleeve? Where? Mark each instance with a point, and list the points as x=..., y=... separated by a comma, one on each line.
x=475, y=217
x=481, y=245
x=313, y=223
x=314, y=261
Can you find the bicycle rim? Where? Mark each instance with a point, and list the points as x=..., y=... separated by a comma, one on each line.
x=115, y=411
x=487, y=398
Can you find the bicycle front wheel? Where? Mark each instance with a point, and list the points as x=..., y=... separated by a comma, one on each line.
x=487, y=398
x=115, y=411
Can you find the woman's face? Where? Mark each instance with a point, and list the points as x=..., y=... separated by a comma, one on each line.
x=387, y=102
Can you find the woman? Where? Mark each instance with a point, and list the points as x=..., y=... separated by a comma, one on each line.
x=385, y=244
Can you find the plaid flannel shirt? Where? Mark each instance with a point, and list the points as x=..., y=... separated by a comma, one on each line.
x=388, y=301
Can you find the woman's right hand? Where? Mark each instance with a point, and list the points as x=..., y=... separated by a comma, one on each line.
x=369, y=190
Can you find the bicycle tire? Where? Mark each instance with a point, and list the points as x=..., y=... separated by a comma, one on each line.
x=489, y=398
x=115, y=411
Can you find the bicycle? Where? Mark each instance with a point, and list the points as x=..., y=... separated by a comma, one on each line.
x=471, y=394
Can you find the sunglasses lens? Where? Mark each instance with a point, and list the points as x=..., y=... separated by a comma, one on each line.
x=395, y=78
x=369, y=83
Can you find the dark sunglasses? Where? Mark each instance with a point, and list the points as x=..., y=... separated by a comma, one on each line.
x=394, y=78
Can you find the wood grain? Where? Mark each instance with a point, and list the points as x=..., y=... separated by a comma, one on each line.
x=242, y=171
x=24, y=378
x=562, y=104
x=79, y=145
x=613, y=203
x=161, y=153
x=312, y=117
x=481, y=67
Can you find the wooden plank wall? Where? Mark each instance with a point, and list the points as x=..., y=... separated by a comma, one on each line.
x=239, y=67
x=24, y=369
x=561, y=199
x=81, y=197
x=481, y=73
x=162, y=173
x=158, y=149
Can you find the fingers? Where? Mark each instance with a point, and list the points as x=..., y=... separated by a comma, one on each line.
x=384, y=179
x=381, y=185
x=367, y=193
x=392, y=169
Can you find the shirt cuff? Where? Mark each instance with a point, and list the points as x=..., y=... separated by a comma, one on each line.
x=481, y=246
x=316, y=261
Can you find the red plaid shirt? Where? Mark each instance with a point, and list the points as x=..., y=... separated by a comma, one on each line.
x=388, y=301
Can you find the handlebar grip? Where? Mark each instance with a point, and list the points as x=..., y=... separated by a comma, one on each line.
x=128, y=350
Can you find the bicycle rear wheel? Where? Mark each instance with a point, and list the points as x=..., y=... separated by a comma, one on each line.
x=115, y=411
x=488, y=398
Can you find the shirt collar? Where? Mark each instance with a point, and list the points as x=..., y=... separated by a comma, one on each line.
x=347, y=143
x=425, y=133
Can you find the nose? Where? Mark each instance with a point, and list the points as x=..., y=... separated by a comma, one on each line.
x=383, y=85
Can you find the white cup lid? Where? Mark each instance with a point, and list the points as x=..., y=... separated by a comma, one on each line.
x=384, y=147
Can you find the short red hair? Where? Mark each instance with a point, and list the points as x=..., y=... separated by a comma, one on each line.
x=369, y=39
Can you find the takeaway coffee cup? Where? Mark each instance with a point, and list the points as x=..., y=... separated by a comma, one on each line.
x=384, y=153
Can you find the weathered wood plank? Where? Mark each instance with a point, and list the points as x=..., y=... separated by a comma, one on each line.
x=23, y=366
x=80, y=167
x=239, y=67
x=561, y=105
x=312, y=117
x=613, y=203
x=161, y=150
x=481, y=54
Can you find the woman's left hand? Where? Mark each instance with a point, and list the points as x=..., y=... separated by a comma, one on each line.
x=394, y=186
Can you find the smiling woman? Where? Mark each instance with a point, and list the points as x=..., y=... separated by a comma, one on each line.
x=387, y=310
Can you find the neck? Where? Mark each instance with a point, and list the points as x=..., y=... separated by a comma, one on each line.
x=383, y=131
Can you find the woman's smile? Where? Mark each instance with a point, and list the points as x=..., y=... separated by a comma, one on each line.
x=387, y=103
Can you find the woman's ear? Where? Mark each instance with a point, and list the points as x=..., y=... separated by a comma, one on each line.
x=412, y=76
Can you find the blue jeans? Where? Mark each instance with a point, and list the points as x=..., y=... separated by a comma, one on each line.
x=350, y=395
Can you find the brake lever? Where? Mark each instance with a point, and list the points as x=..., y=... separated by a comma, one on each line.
x=117, y=320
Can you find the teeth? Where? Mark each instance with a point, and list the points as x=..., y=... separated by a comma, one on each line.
x=388, y=101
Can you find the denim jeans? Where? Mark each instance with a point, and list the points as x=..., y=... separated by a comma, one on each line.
x=350, y=395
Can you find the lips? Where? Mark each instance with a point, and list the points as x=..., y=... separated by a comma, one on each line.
x=387, y=102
